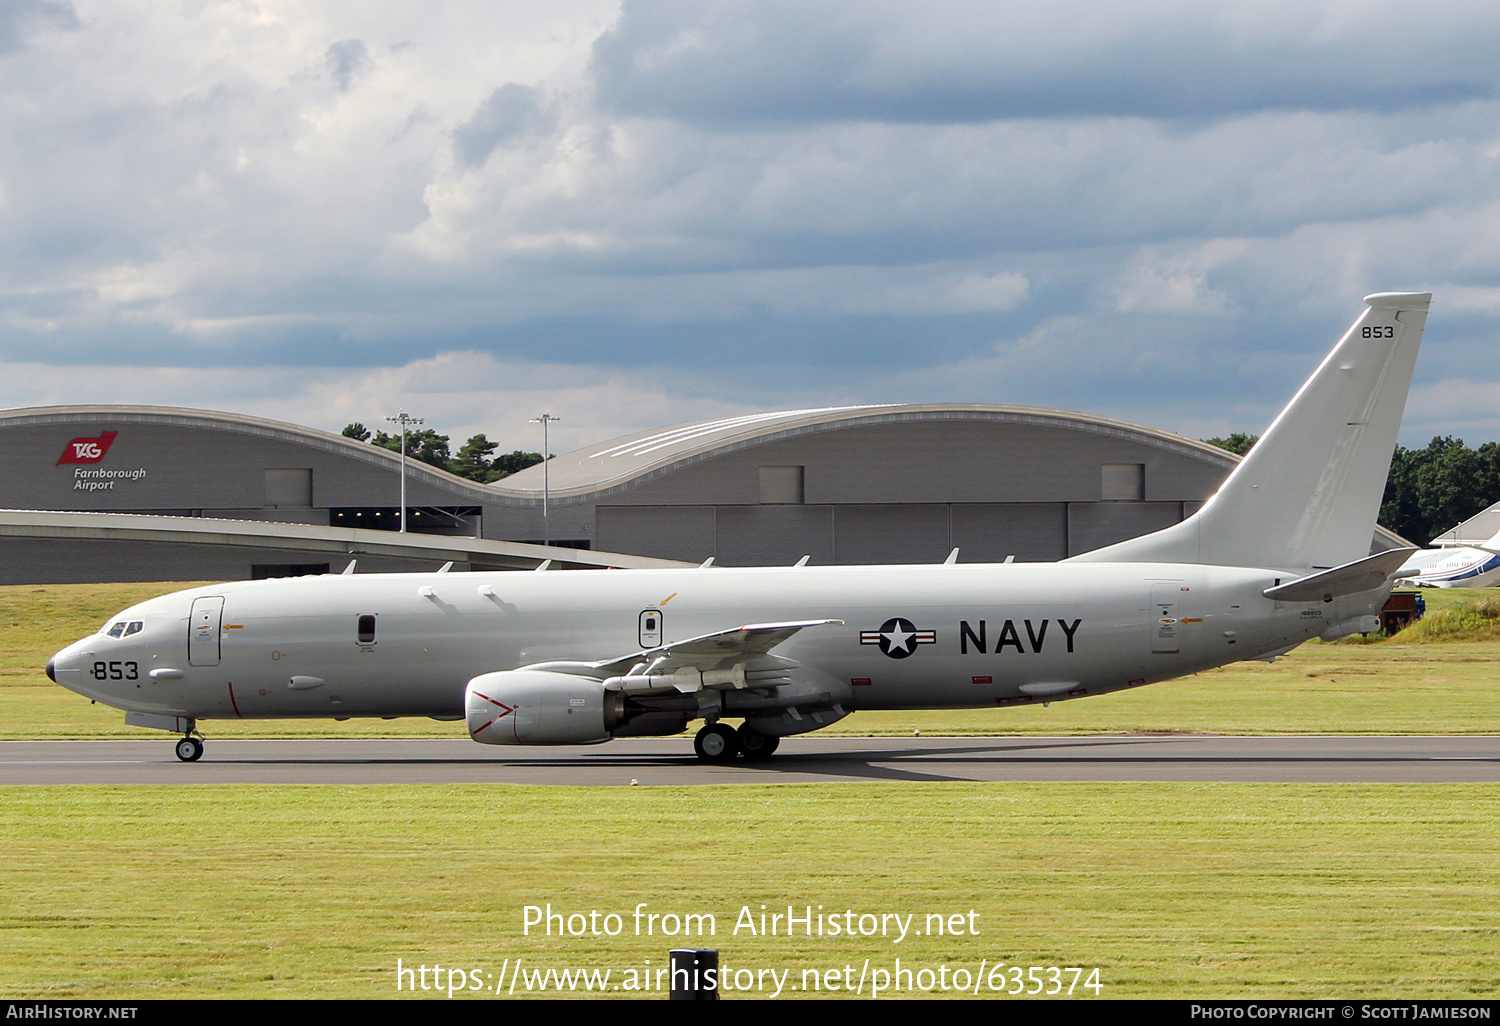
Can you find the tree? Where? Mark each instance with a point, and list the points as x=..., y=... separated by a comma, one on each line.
x=514, y=461
x=1238, y=443
x=1433, y=489
x=473, y=460
x=425, y=445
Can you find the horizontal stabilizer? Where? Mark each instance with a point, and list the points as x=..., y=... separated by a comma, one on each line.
x=1361, y=575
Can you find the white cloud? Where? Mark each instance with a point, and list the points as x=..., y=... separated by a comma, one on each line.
x=1471, y=299
x=1156, y=283
x=1466, y=408
x=1003, y=291
x=459, y=393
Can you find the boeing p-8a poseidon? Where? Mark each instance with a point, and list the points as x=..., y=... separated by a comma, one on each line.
x=1279, y=555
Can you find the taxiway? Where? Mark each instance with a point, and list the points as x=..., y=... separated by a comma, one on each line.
x=648, y=762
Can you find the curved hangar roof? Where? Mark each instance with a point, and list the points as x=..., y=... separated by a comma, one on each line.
x=604, y=468
x=274, y=431
x=607, y=467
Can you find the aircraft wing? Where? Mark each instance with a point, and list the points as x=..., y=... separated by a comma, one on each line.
x=1361, y=575
x=709, y=660
x=711, y=650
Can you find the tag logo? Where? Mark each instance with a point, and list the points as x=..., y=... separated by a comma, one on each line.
x=87, y=450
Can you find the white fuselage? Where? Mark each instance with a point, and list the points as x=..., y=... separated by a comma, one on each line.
x=973, y=635
x=1460, y=567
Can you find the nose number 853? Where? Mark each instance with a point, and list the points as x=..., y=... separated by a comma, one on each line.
x=116, y=670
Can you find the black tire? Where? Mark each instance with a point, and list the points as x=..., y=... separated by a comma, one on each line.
x=754, y=745
x=190, y=749
x=716, y=742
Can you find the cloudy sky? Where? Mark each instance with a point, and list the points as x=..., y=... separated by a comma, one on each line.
x=634, y=214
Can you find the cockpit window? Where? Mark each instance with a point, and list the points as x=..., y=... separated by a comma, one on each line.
x=134, y=627
x=117, y=630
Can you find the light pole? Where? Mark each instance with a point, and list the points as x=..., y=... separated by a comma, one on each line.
x=402, y=419
x=544, y=420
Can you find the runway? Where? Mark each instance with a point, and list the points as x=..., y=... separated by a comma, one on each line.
x=658, y=762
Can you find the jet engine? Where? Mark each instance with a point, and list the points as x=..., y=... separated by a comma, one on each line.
x=537, y=707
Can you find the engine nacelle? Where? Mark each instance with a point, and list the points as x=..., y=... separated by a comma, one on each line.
x=536, y=707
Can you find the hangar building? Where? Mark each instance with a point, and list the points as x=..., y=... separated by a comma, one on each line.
x=880, y=484
x=867, y=484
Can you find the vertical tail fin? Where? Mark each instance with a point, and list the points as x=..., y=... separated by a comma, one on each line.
x=1307, y=494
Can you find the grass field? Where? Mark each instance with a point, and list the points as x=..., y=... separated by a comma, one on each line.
x=1170, y=890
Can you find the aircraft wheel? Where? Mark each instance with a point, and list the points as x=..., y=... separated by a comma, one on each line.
x=716, y=742
x=190, y=749
x=754, y=745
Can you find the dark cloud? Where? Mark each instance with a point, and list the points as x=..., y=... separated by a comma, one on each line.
x=841, y=201
x=783, y=60
x=18, y=18
x=346, y=59
x=508, y=113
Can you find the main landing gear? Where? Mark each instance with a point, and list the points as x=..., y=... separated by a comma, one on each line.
x=190, y=749
x=719, y=742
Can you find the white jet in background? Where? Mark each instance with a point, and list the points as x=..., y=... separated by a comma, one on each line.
x=1280, y=554
x=1456, y=566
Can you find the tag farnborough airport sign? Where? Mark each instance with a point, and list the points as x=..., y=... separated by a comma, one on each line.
x=93, y=450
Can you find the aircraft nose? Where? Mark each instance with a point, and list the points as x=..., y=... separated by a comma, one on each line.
x=66, y=667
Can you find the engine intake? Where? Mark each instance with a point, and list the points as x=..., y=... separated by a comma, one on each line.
x=537, y=707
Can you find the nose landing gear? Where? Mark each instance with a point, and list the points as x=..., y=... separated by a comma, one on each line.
x=190, y=748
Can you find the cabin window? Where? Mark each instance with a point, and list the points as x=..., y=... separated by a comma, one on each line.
x=367, y=629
